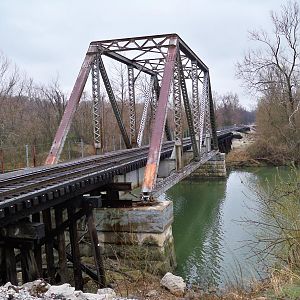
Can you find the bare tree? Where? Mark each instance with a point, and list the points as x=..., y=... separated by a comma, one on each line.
x=272, y=69
x=120, y=85
x=274, y=64
x=229, y=111
x=55, y=96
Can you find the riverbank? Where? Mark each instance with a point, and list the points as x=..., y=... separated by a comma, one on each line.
x=208, y=249
x=40, y=289
x=240, y=156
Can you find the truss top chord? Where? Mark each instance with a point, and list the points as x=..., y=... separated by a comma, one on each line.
x=148, y=53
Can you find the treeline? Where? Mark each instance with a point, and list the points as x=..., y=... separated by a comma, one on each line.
x=30, y=113
x=271, y=70
x=229, y=111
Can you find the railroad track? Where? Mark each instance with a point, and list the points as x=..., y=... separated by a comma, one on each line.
x=29, y=191
x=15, y=185
x=24, y=194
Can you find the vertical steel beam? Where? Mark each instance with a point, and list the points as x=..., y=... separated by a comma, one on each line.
x=195, y=100
x=177, y=118
x=156, y=95
x=212, y=118
x=204, y=97
x=153, y=105
x=65, y=123
x=151, y=169
x=97, y=109
x=114, y=103
x=144, y=114
x=207, y=124
x=188, y=111
x=132, y=112
x=167, y=129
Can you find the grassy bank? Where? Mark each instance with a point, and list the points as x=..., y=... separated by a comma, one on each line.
x=279, y=235
x=246, y=152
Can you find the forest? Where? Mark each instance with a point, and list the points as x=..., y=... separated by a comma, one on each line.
x=30, y=114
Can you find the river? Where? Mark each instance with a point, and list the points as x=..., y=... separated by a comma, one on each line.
x=211, y=239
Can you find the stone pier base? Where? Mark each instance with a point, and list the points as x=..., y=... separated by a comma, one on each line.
x=140, y=237
x=215, y=167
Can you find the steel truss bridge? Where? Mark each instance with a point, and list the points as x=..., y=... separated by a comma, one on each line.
x=37, y=205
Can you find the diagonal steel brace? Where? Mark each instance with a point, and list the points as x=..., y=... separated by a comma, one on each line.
x=151, y=169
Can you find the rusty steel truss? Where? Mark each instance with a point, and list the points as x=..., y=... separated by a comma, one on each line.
x=171, y=64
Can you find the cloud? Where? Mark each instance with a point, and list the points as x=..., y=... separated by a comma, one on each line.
x=47, y=38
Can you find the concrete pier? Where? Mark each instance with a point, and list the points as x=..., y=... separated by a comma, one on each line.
x=214, y=168
x=139, y=236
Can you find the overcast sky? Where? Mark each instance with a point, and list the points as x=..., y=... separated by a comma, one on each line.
x=47, y=38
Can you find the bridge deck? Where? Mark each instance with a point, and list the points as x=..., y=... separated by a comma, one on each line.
x=165, y=184
x=23, y=193
x=27, y=192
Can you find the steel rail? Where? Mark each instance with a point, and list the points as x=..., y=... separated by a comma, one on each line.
x=64, y=175
x=10, y=178
x=28, y=182
x=65, y=188
x=34, y=201
x=15, y=177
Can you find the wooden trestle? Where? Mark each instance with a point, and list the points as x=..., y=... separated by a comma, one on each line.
x=23, y=243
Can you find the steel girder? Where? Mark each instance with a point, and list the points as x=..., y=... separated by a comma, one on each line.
x=151, y=169
x=156, y=92
x=155, y=95
x=212, y=118
x=207, y=126
x=132, y=113
x=145, y=112
x=142, y=46
x=97, y=107
x=155, y=56
x=114, y=103
x=177, y=117
x=188, y=111
x=65, y=123
x=195, y=98
x=202, y=108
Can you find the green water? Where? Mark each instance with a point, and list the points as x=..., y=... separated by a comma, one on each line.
x=211, y=242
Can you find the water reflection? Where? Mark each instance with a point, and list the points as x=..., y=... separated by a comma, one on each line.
x=209, y=242
x=198, y=252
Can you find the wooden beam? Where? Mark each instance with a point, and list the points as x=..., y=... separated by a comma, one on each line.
x=92, y=201
x=49, y=246
x=96, y=248
x=75, y=250
x=83, y=267
x=29, y=266
x=3, y=277
x=23, y=230
x=36, y=218
x=53, y=233
x=62, y=259
x=11, y=268
x=119, y=186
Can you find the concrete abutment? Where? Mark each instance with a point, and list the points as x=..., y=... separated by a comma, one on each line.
x=214, y=168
